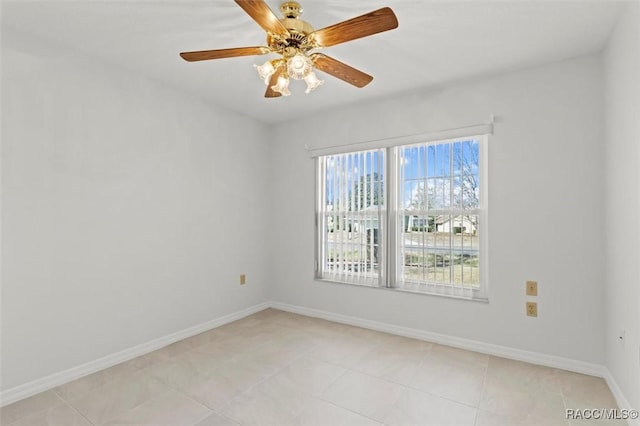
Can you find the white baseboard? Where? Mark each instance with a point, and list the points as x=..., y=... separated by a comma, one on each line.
x=40, y=385
x=458, y=342
x=620, y=398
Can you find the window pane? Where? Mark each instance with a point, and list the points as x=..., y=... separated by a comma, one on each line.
x=438, y=243
x=467, y=182
x=352, y=217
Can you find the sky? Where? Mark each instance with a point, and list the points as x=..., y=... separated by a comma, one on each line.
x=425, y=165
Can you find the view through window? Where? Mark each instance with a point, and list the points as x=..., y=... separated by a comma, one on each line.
x=439, y=201
x=407, y=217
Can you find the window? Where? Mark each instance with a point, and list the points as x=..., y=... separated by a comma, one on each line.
x=352, y=215
x=409, y=217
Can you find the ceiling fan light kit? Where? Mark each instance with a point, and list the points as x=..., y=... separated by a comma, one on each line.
x=297, y=43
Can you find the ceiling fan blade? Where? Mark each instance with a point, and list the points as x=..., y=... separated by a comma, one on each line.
x=371, y=23
x=260, y=12
x=204, y=55
x=340, y=70
x=270, y=93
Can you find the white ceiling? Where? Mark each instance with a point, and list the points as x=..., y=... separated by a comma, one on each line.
x=437, y=42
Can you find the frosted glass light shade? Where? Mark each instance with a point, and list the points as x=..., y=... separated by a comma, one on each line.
x=282, y=86
x=312, y=81
x=298, y=66
x=265, y=71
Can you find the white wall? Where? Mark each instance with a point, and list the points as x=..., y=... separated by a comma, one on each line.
x=622, y=201
x=128, y=212
x=546, y=170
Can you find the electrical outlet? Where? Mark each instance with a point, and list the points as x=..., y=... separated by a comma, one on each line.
x=243, y=279
x=532, y=288
x=532, y=309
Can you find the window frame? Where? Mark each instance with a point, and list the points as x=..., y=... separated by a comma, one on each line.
x=392, y=213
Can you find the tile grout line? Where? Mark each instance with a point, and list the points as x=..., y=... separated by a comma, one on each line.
x=564, y=404
x=42, y=410
x=352, y=411
x=171, y=388
x=181, y=392
x=350, y=369
x=267, y=378
x=307, y=354
x=482, y=392
x=411, y=387
x=72, y=406
x=277, y=371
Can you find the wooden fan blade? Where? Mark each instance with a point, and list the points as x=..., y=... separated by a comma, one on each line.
x=204, y=55
x=270, y=93
x=260, y=12
x=340, y=70
x=371, y=23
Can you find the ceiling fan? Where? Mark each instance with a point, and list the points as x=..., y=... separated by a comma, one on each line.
x=297, y=43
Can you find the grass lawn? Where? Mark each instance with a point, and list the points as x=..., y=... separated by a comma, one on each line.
x=433, y=257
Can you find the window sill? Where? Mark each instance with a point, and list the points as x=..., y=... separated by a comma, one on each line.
x=403, y=290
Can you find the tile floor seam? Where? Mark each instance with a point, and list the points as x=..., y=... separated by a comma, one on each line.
x=310, y=394
x=347, y=370
x=239, y=394
x=226, y=416
x=425, y=359
x=353, y=411
x=114, y=415
x=82, y=415
x=377, y=377
x=442, y=397
x=35, y=413
x=177, y=390
x=62, y=401
x=187, y=396
x=144, y=402
x=73, y=407
x=335, y=364
x=21, y=419
x=220, y=410
x=564, y=404
x=336, y=379
x=484, y=387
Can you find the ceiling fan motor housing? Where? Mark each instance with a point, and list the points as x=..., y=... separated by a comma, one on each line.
x=298, y=30
x=291, y=9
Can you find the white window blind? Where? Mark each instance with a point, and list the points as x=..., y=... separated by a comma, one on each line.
x=410, y=217
x=433, y=136
x=438, y=237
x=352, y=214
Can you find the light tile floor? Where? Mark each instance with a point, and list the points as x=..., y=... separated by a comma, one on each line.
x=278, y=368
